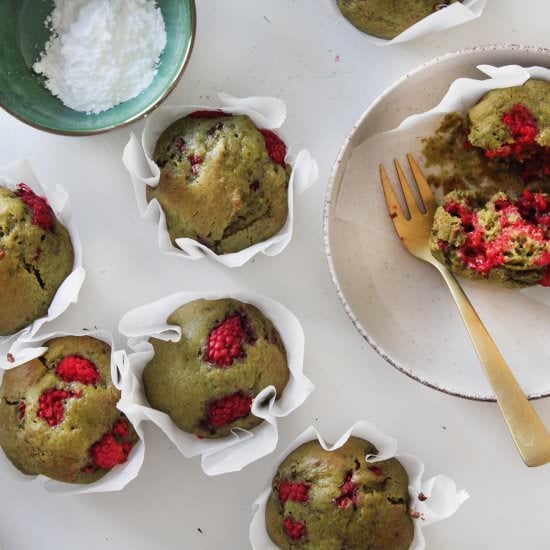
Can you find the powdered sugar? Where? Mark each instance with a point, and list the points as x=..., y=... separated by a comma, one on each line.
x=101, y=52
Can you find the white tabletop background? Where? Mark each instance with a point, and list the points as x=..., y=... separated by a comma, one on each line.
x=327, y=74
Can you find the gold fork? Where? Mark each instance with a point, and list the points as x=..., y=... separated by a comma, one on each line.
x=529, y=433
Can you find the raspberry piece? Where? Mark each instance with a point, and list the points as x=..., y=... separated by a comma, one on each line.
x=376, y=470
x=42, y=214
x=226, y=410
x=298, y=492
x=348, y=493
x=179, y=142
x=533, y=206
x=21, y=407
x=460, y=211
x=522, y=124
x=108, y=452
x=225, y=342
x=294, y=529
x=196, y=160
x=499, y=153
x=275, y=146
x=73, y=368
x=120, y=428
x=51, y=405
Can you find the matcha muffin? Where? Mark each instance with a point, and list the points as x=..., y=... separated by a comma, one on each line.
x=388, y=18
x=501, y=240
x=223, y=182
x=58, y=414
x=334, y=500
x=514, y=124
x=228, y=352
x=36, y=255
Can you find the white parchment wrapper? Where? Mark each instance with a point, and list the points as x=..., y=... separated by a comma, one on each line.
x=266, y=113
x=120, y=475
x=443, y=497
x=11, y=175
x=361, y=200
x=231, y=453
x=451, y=16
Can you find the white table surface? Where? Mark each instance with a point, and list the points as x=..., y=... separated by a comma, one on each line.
x=327, y=74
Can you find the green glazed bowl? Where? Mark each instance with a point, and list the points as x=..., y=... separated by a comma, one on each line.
x=23, y=94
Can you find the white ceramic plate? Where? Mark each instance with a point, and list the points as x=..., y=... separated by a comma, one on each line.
x=400, y=305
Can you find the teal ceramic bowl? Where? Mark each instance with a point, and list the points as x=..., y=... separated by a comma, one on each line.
x=23, y=94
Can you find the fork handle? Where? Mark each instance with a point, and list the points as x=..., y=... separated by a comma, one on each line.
x=529, y=433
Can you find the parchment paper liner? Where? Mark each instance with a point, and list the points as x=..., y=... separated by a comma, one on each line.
x=231, y=453
x=120, y=475
x=451, y=16
x=11, y=175
x=361, y=201
x=443, y=496
x=265, y=112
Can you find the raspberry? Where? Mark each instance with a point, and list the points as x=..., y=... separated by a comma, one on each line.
x=214, y=113
x=376, y=470
x=73, y=368
x=225, y=342
x=348, y=493
x=275, y=146
x=227, y=409
x=298, y=492
x=51, y=405
x=294, y=529
x=42, y=214
x=108, y=452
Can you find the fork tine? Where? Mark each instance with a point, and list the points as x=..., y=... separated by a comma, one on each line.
x=410, y=201
x=392, y=203
x=423, y=186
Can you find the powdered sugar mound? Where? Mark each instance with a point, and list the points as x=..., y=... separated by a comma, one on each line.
x=101, y=52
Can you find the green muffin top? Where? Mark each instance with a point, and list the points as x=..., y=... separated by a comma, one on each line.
x=58, y=414
x=228, y=352
x=491, y=128
x=385, y=18
x=222, y=182
x=36, y=255
x=331, y=500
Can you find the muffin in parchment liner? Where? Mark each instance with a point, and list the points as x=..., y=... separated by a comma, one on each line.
x=429, y=500
x=445, y=15
x=364, y=205
x=67, y=399
x=241, y=446
x=52, y=216
x=267, y=114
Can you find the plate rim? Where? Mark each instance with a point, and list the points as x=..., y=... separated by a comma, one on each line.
x=336, y=174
